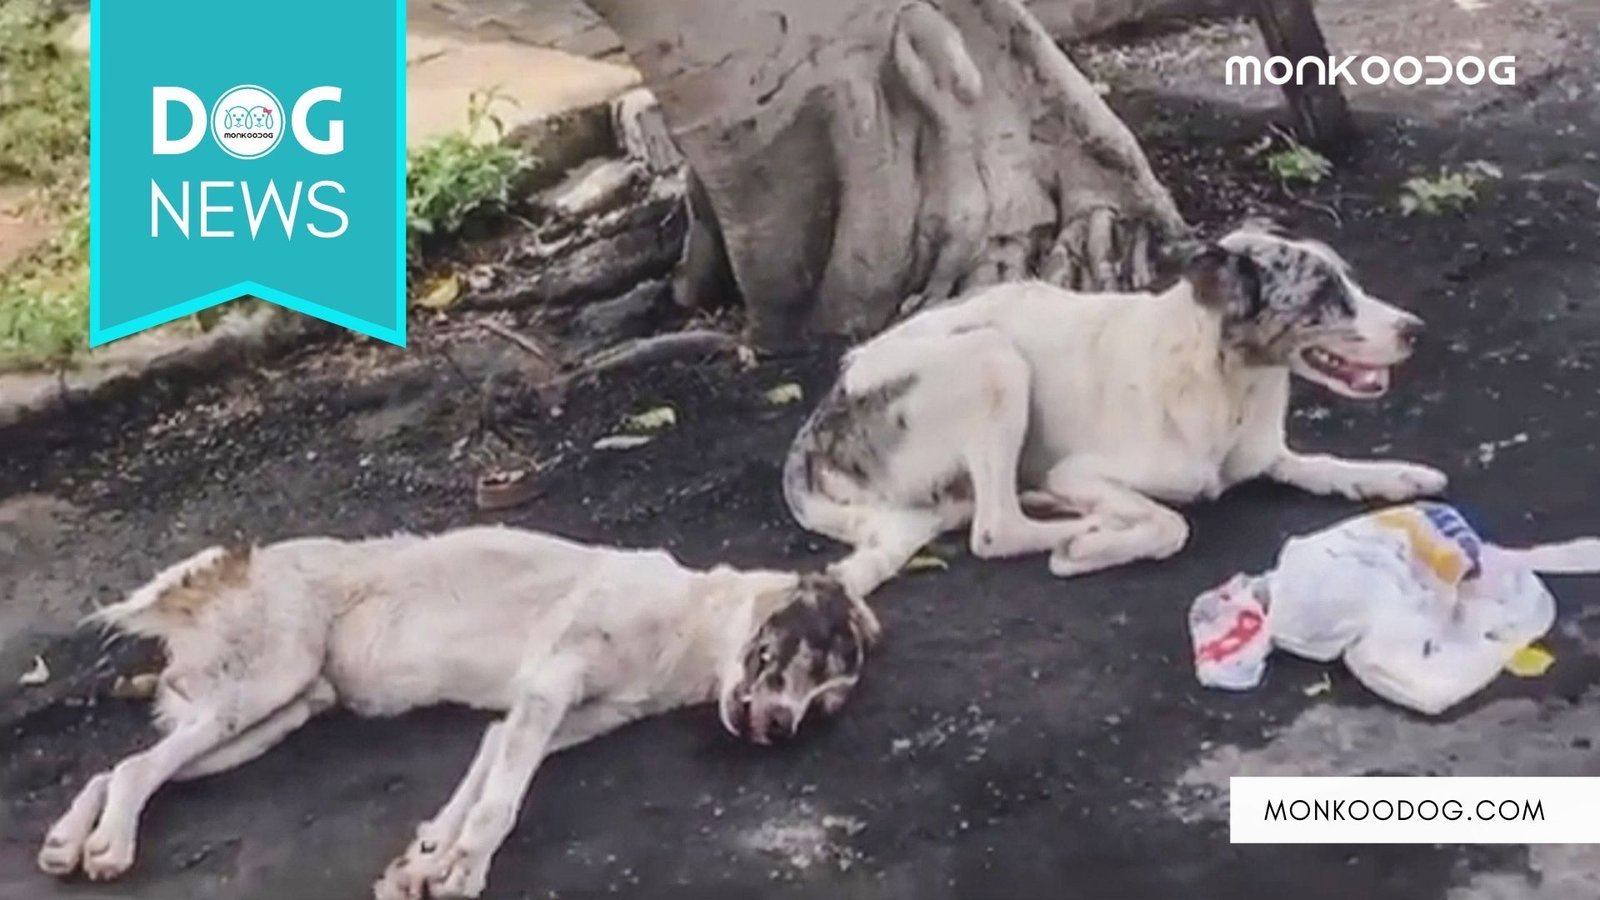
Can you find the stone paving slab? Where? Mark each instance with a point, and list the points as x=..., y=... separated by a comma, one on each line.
x=443, y=72
x=566, y=25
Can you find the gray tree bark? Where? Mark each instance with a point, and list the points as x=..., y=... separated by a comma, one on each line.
x=850, y=154
x=1071, y=20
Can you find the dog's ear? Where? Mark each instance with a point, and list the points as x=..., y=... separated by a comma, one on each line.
x=1224, y=280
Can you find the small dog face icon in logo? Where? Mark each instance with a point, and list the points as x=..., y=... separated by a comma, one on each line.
x=247, y=122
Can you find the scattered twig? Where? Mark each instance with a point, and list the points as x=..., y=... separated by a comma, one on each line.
x=1326, y=208
x=486, y=422
x=636, y=354
x=521, y=340
x=652, y=350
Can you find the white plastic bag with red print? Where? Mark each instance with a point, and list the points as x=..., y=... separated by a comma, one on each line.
x=1423, y=611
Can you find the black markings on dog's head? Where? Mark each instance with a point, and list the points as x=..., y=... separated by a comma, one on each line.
x=1227, y=282
x=818, y=634
x=810, y=650
x=1272, y=291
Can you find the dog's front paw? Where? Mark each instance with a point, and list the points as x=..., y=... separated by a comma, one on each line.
x=107, y=856
x=407, y=877
x=404, y=879
x=60, y=854
x=463, y=873
x=1399, y=481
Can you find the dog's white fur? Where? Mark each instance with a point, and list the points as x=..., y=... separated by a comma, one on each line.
x=572, y=640
x=1106, y=406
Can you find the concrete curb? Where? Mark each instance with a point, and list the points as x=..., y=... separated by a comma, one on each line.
x=149, y=357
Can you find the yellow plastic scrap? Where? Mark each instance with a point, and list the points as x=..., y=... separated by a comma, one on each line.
x=1531, y=661
x=1445, y=559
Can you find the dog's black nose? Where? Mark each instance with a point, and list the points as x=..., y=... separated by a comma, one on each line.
x=1411, y=330
x=780, y=724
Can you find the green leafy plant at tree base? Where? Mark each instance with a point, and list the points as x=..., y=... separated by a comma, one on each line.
x=1294, y=162
x=1299, y=164
x=1447, y=192
x=463, y=174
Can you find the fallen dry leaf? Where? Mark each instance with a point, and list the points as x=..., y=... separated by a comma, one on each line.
x=622, y=442
x=926, y=562
x=1318, y=688
x=36, y=675
x=784, y=394
x=441, y=292
x=652, y=419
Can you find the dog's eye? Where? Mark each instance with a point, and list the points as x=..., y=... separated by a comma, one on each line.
x=765, y=656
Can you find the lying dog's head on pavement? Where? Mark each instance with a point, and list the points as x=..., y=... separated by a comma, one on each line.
x=808, y=653
x=1288, y=301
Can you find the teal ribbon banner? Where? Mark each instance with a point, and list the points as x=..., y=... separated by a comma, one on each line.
x=247, y=149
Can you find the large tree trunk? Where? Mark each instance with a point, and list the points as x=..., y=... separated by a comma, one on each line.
x=852, y=154
x=1070, y=20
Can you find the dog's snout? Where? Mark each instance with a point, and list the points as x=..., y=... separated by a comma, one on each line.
x=781, y=723
x=736, y=717
x=1409, y=331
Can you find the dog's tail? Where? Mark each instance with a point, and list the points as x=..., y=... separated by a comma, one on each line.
x=1574, y=557
x=174, y=598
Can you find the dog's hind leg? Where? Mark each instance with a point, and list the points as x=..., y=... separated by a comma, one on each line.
x=203, y=719
x=1119, y=525
x=986, y=399
x=923, y=434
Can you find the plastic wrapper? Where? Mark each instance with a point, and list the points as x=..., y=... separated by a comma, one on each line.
x=1422, y=610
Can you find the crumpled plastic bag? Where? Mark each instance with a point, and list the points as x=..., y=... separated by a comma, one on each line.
x=1423, y=611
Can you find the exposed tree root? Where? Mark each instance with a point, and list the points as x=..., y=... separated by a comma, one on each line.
x=851, y=154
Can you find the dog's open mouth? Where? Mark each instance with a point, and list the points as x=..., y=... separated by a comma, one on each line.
x=734, y=710
x=1359, y=379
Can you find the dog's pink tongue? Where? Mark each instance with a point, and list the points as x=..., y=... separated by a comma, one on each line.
x=1369, y=379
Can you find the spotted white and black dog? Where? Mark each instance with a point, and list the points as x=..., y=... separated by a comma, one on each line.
x=1104, y=407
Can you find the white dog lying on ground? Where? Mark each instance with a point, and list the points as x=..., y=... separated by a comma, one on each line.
x=1105, y=406
x=572, y=640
